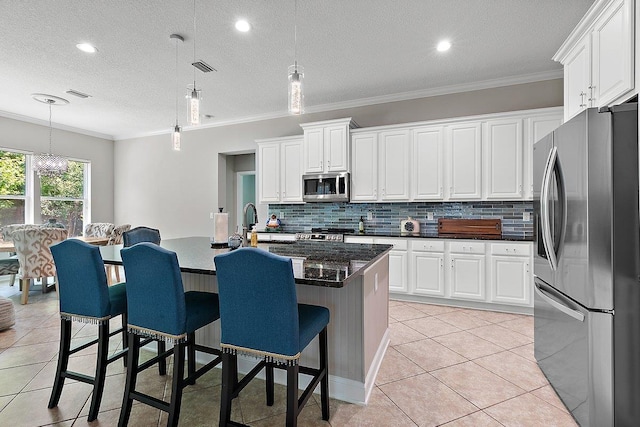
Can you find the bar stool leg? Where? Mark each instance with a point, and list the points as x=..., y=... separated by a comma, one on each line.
x=162, y=363
x=324, y=382
x=133, y=354
x=63, y=362
x=229, y=381
x=177, y=384
x=191, y=356
x=269, y=383
x=292, y=395
x=101, y=370
x=125, y=336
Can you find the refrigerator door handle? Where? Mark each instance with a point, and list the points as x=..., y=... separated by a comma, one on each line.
x=563, y=308
x=547, y=239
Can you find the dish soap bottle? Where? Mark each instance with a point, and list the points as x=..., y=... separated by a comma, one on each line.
x=254, y=237
x=361, y=225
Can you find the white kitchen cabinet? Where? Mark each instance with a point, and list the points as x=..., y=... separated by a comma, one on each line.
x=466, y=279
x=536, y=128
x=598, y=57
x=398, y=260
x=503, y=159
x=364, y=167
x=510, y=274
x=427, y=267
x=326, y=146
x=464, y=146
x=394, y=165
x=280, y=170
x=427, y=167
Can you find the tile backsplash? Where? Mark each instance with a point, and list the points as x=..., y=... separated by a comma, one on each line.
x=387, y=216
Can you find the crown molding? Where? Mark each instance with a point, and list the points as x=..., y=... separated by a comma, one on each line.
x=59, y=126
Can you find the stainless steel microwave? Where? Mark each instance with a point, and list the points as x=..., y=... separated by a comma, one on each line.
x=328, y=187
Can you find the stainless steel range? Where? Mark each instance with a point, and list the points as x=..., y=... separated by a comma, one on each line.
x=325, y=234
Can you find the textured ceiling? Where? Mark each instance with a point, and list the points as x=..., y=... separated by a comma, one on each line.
x=353, y=52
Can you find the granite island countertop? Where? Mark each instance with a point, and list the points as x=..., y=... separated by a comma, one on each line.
x=327, y=264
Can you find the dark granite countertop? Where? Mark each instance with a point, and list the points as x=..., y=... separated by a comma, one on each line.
x=326, y=264
x=431, y=235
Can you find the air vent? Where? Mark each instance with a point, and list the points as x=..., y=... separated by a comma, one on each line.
x=78, y=94
x=203, y=66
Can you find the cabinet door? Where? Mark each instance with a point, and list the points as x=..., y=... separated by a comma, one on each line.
x=335, y=146
x=428, y=163
x=503, y=159
x=537, y=127
x=613, y=56
x=394, y=165
x=466, y=276
x=428, y=273
x=465, y=156
x=291, y=178
x=313, y=150
x=510, y=280
x=364, y=167
x=577, y=78
x=269, y=173
x=398, y=271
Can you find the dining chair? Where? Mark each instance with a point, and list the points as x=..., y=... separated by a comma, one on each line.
x=85, y=297
x=10, y=266
x=34, y=255
x=116, y=239
x=260, y=316
x=141, y=234
x=158, y=307
x=98, y=229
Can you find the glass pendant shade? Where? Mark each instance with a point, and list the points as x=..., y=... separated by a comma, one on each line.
x=194, y=107
x=175, y=138
x=47, y=164
x=296, y=95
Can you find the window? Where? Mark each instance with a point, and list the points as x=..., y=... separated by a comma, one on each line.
x=13, y=187
x=62, y=199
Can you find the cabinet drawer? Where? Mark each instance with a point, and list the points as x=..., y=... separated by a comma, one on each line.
x=510, y=249
x=423, y=245
x=398, y=244
x=358, y=239
x=467, y=247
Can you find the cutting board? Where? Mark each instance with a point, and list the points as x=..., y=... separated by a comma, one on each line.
x=487, y=228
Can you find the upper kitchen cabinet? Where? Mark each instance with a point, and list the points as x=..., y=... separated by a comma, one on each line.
x=326, y=146
x=536, y=127
x=427, y=163
x=503, y=159
x=598, y=57
x=464, y=146
x=364, y=167
x=279, y=171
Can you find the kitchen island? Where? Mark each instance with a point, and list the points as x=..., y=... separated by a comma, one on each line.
x=351, y=280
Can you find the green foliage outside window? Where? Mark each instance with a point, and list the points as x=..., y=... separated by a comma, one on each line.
x=68, y=185
x=12, y=174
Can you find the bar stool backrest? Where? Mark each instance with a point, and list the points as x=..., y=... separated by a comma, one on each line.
x=141, y=234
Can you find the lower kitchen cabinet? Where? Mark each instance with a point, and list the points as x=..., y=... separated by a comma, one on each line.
x=398, y=260
x=510, y=275
x=427, y=267
x=466, y=279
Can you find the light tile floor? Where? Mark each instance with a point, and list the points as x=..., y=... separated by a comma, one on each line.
x=445, y=366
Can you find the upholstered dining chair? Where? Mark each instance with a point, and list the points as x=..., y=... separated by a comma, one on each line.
x=85, y=297
x=141, y=234
x=10, y=266
x=260, y=316
x=158, y=307
x=32, y=247
x=98, y=229
x=116, y=239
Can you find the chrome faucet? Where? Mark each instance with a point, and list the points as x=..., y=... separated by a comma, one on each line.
x=245, y=230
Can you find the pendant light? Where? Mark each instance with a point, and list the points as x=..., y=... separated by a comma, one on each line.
x=296, y=73
x=48, y=164
x=175, y=135
x=195, y=94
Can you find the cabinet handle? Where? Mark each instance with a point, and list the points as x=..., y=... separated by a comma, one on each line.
x=527, y=267
x=441, y=263
x=591, y=98
x=582, y=95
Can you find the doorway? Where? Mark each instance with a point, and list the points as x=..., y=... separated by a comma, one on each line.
x=246, y=193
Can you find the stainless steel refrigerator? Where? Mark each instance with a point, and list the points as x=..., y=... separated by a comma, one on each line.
x=587, y=265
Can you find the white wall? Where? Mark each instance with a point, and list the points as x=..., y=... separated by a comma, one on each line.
x=31, y=137
x=176, y=191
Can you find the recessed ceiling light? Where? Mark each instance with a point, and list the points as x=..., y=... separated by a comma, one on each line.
x=242, y=25
x=86, y=47
x=444, y=45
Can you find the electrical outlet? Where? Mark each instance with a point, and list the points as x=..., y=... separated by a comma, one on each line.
x=526, y=216
x=210, y=215
x=430, y=216
x=281, y=215
x=369, y=216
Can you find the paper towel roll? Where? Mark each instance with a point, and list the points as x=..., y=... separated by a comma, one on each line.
x=221, y=228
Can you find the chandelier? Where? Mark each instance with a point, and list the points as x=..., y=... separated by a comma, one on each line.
x=49, y=164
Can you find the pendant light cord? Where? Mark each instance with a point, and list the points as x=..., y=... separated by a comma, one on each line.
x=177, y=40
x=295, y=35
x=194, y=44
x=49, y=101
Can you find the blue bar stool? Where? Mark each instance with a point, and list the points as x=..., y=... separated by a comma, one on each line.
x=158, y=307
x=85, y=297
x=139, y=235
x=260, y=316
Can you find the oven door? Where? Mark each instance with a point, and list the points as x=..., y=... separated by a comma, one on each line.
x=326, y=187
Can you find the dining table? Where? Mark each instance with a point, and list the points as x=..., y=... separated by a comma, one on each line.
x=6, y=246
